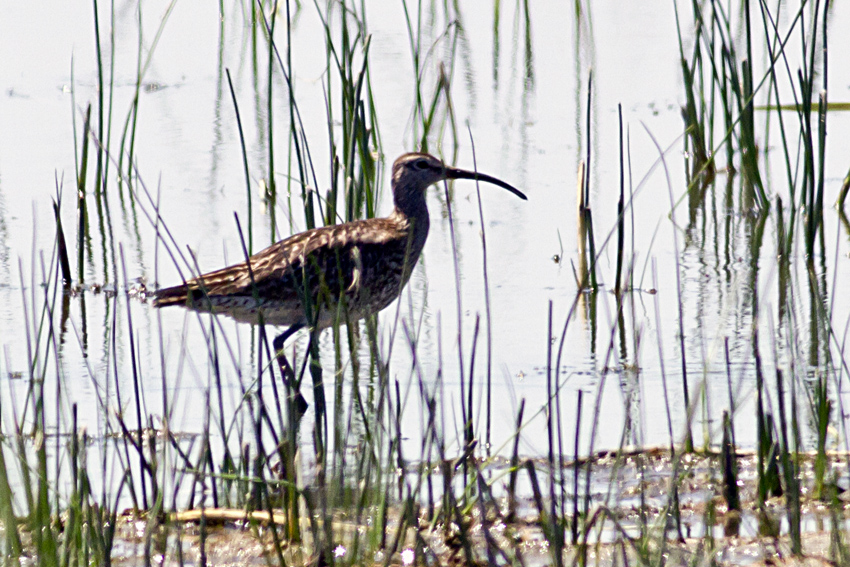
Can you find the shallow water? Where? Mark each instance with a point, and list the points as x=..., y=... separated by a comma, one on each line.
x=525, y=108
x=614, y=480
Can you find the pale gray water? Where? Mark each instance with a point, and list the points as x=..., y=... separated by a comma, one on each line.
x=528, y=131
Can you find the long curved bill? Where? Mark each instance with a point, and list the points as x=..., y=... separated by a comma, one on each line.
x=455, y=173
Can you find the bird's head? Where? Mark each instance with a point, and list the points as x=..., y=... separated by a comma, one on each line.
x=413, y=173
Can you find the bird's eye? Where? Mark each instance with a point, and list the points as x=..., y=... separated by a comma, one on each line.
x=421, y=164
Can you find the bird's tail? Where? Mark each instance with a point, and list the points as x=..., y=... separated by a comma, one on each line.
x=177, y=295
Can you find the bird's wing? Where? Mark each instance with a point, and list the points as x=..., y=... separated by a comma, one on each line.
x=275, y=272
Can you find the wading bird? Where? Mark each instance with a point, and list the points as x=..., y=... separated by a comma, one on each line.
x=331, y=274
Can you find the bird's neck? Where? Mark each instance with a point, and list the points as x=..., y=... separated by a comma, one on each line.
x=416, y=221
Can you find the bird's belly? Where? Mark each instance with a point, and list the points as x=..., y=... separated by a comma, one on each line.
x=381, y=285
x=352, y=306
x=247, y=309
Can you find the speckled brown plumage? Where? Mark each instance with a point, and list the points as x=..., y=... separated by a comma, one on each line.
x=347, y=271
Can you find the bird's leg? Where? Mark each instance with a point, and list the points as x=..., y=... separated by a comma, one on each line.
x=299, y=404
